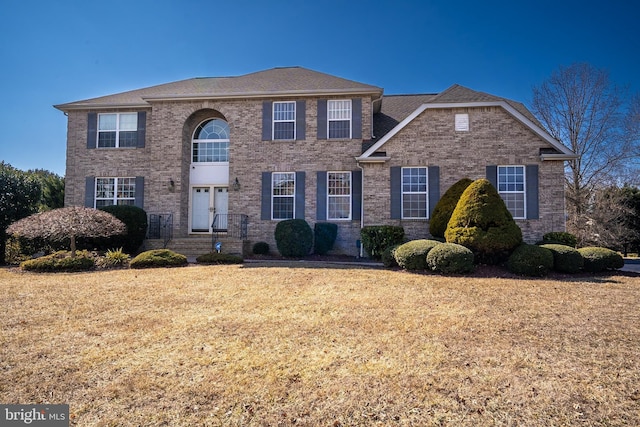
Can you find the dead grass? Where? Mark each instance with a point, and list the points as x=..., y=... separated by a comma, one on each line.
x=334, y=346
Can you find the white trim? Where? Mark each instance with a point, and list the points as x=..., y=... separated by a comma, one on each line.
x=350, y=119
x=426, y=192
x=293, y=197
x=115, y=197
x=524, y=187
x=274, y=121
x=219, y=141
x=117, y=130
x=341, y=196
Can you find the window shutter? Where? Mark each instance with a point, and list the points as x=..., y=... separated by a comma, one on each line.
x=299, y=199
x=142, y=128
x=531, y=172
x=321, y=197
x=356, y=118
x=265, y=208
x=301, y=120
x=492, y=175
x=92, y=130
x=267, y=122
x=89, y=191
x=396, y=192
x=434, y=187
x=139, y=199
x=356, y=195
x=322, y=119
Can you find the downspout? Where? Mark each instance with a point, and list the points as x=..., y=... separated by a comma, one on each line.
x=361, y=208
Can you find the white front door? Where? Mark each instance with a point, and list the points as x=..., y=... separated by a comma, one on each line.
x=200, y=204
x=221, y=207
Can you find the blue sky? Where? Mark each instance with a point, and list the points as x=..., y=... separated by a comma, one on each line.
x=58, y=51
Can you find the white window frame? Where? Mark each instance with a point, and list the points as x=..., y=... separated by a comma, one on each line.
x=115, y=196
x=336, y=197
x=117, y=130
x=462, y=122
x=507, y=192
x=282, y=196
x=409, y=192
x=222, y=142
x=334, y=107
x=281, y=120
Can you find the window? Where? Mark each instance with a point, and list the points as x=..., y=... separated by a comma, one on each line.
x=115, y=191
x=283, y=191
x=284, y=120
x=211, y=142
x=117, y=130
x=339, y=195
x=339, y=118
x=511, y=186
x=414, y=193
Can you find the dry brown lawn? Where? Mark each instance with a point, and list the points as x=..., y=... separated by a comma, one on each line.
x=300, y=344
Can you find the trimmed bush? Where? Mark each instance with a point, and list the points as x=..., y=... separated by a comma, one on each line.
x=389, y=256
x=482, y=223
x=261, y=248
x=135, y=219
x=450, y=258
x=377, y=238
x=445, y=207
x=61, y=261
x=219, y=258
x=294, y=238
x=325, y=234
x=158, y=258
x=565, y=258
x=561, y=238
x=598, y=259
x=530, y=260
x=412, y=255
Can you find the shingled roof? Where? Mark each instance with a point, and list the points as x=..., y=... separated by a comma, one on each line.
x=275, y=82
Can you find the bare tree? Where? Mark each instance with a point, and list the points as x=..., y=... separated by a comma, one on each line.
x=71, y=222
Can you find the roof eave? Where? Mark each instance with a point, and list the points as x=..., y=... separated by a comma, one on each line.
x=101, y=106
x=375, y=159
x=553, y=156
x=262, y=94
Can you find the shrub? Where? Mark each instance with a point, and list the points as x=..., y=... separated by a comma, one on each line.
x=389, y=256
x=561, y=238
x=294, y=238
x=450, y=258
x=325, y=234
x=445, y=207
x=413, y=255
x=376, y=238
x=135, y=219
x=530, y=260
x=114, y=258
x=598, y=259
x=482, y=223
x=60, y=261
x=158, y=258
x=565, y=258
x=261, y=248
x=219, y=258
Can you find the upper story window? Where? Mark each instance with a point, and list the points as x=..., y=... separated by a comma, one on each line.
x=211, y=142
x=117, y=130
x=284, y=120
x=338, y=195
x=414, y=193
x=339, y=118
x=115, y=191
x=283, y=192
x=511, y=187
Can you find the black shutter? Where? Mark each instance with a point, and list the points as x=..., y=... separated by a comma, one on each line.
x=301, y=120
x=396, y=192
x=492, y=175
x=356, y=195
x=299, y=198
x=89, y=191
x=267, y=122
x=322, y=119
x=356, y=118
x=321, y=196
x=265, y=208
x=434, y=187
x=142, y=128
x=92, y=130
x=139, y=199
x=532, y=192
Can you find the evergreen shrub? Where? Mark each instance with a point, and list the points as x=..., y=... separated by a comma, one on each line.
x=389, y=256
x=158, y=258
x=530, y=260
x=598, y=259
x=561, y=238
x=294, y=238
x=61, y=261
x=412, y=255
x=445, y=207
x=219, y=258
x=376, y=238
x=135, y=219
x=450, y=258
x=325, y=234
x=260, y=248
x=565, y=258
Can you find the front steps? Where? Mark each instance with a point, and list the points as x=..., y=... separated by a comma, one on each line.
x=197, y=245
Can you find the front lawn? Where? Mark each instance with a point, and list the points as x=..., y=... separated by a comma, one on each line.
x=303, y=344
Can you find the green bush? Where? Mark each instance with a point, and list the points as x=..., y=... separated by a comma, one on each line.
x=445, y=207
x=158, y=258
x=598, y=259
x=376, y=238
x=412, y=255
x=61, y=261
x=389, y=256
x=530, y=260
x=114, y=258
x=325, y=234
x=561, y=238
x=482, y=223
x=260, y=248
x=219, y=258
x=294, y=238
x=450, y=258
x=135, y=219
x=565, y=258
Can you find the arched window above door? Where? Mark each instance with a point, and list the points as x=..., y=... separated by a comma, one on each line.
x=210, y=142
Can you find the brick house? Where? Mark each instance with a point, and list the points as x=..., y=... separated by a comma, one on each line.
x=231, y=156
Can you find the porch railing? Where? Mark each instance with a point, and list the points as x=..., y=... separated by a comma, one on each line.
x=229, y=225
x=160, y=227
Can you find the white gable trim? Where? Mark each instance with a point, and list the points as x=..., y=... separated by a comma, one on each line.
x=565, y=152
